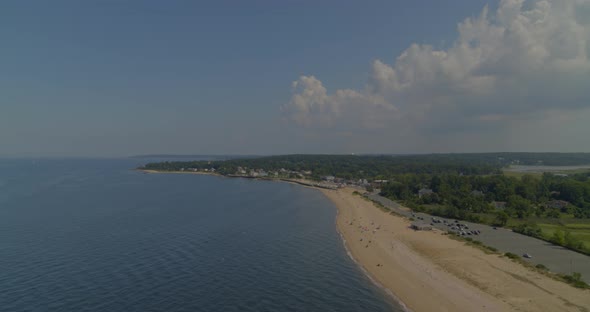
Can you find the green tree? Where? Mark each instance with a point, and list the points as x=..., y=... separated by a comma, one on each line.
x=553, y=213
x=502, y=218
x=572, y=241
x=558, y=237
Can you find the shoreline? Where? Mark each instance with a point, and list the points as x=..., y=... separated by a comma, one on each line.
x=409, y=265
x=149, y=171
x=302, y=182
x=386, y=290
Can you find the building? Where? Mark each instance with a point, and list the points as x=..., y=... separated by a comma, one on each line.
x=557, y=204
x=421, y=226
x=500, y=205
x=424, y=191
x=476, y=193
x=329, y=178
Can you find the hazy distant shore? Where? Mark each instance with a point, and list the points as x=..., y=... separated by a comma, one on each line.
x=303, y=182
x=427, y=271
x=177, y=172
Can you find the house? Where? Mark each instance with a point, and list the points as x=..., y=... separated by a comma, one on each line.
x=329, y=178
x=500, y=205
x=421, y=226
x=378, y=183
x=424, y=191
x=476, y=193
x=557, y=204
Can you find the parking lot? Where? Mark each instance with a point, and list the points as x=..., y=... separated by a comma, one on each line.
x=556, y=258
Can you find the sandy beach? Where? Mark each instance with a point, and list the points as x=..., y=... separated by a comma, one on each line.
x=428, y=271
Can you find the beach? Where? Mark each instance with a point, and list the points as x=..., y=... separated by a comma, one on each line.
x=428, y=271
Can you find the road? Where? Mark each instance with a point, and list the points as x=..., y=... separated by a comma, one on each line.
x=556, y=258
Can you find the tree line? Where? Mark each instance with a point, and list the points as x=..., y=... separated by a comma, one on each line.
x=523, y=197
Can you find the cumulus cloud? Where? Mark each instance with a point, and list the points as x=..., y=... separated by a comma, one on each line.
x=525, y=58
x=312, y=106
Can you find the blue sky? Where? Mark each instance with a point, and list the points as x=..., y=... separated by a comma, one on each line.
x=117, y=78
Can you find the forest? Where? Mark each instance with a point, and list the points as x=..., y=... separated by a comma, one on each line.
x=382, y=166
x=348, y=166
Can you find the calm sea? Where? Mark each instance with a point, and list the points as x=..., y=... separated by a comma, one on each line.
x=92, y=235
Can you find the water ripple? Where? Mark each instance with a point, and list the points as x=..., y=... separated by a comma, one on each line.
x=107, y=240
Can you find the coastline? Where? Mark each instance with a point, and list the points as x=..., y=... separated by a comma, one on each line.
x=392, y=296
x=426, y=271
x=178, y=172
x=301, y=182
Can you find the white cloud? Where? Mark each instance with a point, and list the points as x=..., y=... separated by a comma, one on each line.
x=504, y=67
x=312, y=106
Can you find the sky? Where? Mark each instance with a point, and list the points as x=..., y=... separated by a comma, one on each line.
x=117, y=78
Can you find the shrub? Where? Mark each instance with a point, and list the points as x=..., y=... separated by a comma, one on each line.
x=541, y=267
x=575, y=280
x=490, y=248
x=511, y=255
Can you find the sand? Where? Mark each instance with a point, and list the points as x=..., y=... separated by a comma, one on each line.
x=428, y=271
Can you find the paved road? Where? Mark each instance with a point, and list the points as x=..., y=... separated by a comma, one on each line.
x=556, y=258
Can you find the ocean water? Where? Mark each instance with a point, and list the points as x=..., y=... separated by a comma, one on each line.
x=92, y=235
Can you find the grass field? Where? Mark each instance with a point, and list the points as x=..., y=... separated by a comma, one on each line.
x=539, y=174
x=578, y=230
x=519, y=175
